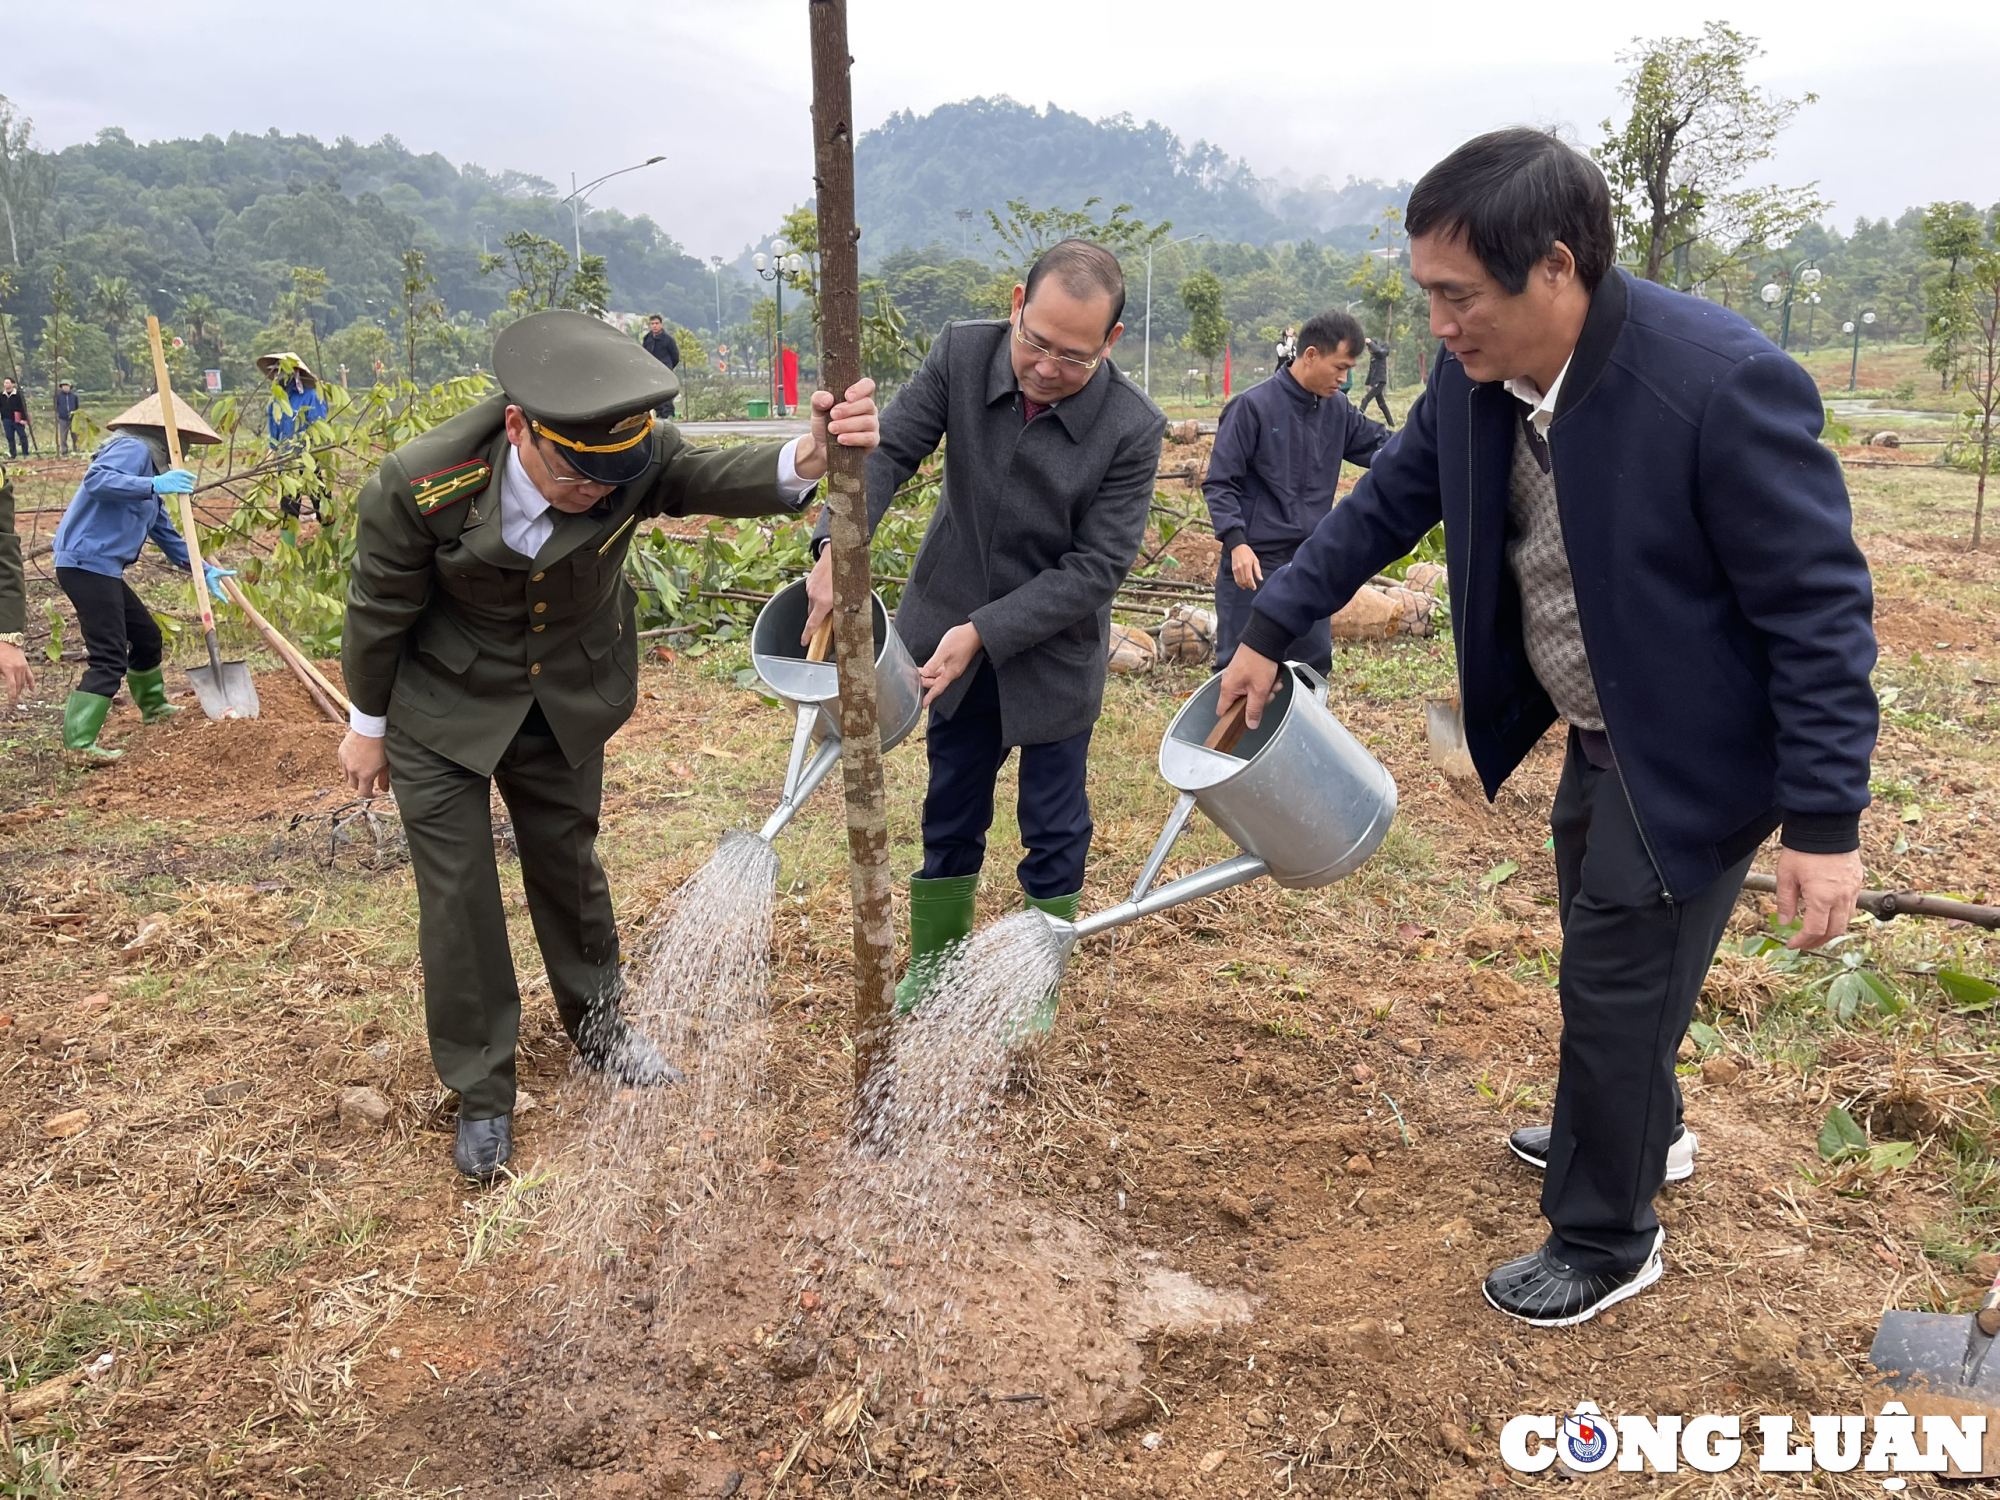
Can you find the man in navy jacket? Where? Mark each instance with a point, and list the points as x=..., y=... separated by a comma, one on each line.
x=1278, y=451
x=1646, y=539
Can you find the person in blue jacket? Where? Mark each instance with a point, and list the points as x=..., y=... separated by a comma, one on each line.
x=1645, y=538
x=1272, y=476
x=296, y=403
x=120, y=506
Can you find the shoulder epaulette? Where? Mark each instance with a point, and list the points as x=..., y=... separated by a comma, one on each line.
x=449, y=486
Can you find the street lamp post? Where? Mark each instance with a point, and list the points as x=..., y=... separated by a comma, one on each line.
x=577, y=195
x=715, y=265
x=781, y=265
x=1806, y=274
x=1854, y=364
x=1146, y=379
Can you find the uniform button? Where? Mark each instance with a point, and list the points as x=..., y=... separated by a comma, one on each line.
x=542, y=608
x=539, y=577
x=535, y=670
x=540, y=628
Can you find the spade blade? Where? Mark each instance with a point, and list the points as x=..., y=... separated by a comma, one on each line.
x=226, y=691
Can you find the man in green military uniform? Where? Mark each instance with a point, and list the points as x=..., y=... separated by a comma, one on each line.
x=490, y=638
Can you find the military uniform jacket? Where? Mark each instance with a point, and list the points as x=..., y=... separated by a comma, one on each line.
x=452, y=634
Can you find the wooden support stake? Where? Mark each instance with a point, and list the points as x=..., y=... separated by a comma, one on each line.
x=847, y=507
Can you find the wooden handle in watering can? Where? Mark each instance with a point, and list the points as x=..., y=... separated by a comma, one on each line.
x=1229, y=728
x=822, y=641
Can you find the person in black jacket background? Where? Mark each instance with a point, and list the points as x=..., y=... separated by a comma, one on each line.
x=1376, y=382
x=1646, y=538
x=1272, y=476
x=667, y=350
x=14, y=417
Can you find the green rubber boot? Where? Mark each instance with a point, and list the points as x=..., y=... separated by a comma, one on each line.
x=1042, y=1020
x=149, y=691
x=941, y=914
x=83, y=716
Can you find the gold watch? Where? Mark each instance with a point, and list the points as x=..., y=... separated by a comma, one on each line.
x=11, y=638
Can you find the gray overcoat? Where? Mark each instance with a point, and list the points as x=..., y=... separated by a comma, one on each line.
x=1037, y=525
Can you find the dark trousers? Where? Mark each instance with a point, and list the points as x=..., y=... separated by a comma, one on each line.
x=966, y=753
x=17, y=439
x=1632, y=967
x=65, y=437
x=472, y=1006
x=119, y=632
x=1232, y=615
x=1374, y=393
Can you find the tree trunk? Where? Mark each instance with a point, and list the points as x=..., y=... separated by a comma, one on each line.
x=847, y=504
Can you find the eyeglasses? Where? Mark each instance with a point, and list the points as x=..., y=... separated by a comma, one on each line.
x=549, y=462
x=1021, y=338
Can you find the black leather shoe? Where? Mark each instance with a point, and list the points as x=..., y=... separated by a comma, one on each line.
x=1531, y=1144
x=483, y=1146
x=628, y=1055
x=1542, y=1290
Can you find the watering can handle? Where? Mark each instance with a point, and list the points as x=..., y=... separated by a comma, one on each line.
x=1317, y=683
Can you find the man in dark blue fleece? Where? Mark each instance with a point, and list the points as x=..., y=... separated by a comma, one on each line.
x=1646, y=539
x=1278, y=451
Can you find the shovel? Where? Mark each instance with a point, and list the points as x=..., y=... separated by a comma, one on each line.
x=224, y=687
x=1942, y=1365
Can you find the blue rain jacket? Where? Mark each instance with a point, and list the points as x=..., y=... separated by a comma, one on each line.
x=115, y=512
x=306, y=407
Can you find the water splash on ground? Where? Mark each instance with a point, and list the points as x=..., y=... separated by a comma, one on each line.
x=655, y=1166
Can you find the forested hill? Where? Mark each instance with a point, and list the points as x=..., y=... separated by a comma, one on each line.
x=228, y=218
x=915, y=173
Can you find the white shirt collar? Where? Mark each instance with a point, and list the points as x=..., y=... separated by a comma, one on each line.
x=1541, y=404
x=524, y=520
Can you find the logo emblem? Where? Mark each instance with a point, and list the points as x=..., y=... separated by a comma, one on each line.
x=1587, y=1442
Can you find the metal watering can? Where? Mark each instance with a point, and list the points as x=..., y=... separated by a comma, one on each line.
x=1298, y=794
x=813, y=688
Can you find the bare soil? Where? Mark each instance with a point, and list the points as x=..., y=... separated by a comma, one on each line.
x=1246, y=1198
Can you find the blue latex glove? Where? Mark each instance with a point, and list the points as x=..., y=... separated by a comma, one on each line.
x=215, y=576
x=174, y=482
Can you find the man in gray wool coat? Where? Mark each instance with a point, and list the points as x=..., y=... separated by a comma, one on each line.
x=1048, y=481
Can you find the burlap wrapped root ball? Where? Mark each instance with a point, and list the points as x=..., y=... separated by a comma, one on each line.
x=1381, y=611
x=1132, y=650
x=1187, y=636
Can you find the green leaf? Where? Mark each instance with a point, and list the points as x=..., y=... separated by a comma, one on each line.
x=1968, y=992
x=1705, y=1036
x=1881, y=993
x=1912, y=812
x=1499, y=874
x=1840, y=1136
x=1890, y=1155
x=1845, y=994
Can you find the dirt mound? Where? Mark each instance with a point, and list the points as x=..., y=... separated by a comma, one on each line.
x=223, y=771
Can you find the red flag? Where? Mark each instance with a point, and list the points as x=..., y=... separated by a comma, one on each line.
x=791, y=378
x=1225, y=372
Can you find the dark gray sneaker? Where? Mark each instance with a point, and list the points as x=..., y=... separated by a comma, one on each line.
x=1531, y=1144
x=483, y=1146
x=1543, y=1290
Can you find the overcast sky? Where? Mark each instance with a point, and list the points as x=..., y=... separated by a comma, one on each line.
x=723, y=87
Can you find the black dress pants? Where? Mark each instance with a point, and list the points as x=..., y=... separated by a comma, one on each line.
x=472, y=1005
x=1633, y=963
x=1233, y=604
x=120, y=634
x=966, y=753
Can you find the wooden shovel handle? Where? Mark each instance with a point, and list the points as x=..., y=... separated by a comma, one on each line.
x=1229, y=728
x=822, y=641
x=166, y=390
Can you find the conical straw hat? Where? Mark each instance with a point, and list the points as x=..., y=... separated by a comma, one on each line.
x=268, y=366
x=147, y=414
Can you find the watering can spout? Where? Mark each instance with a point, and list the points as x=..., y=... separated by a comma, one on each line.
x=802, y=787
